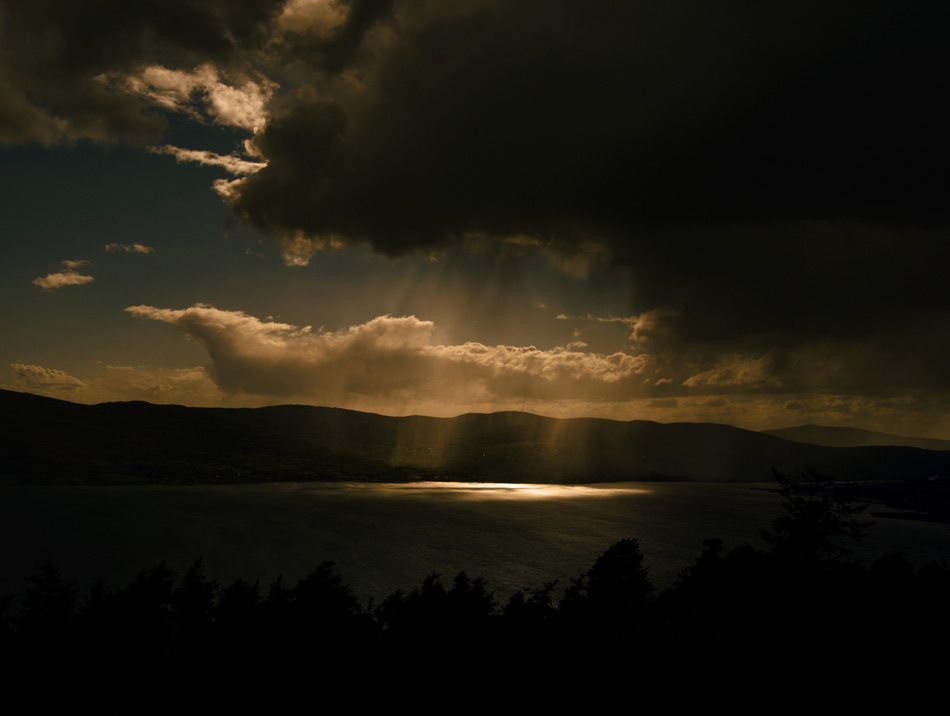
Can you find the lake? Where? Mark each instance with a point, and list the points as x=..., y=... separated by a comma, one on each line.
x=388, y=536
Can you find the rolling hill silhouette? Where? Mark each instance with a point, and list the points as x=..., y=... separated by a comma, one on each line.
x=48, y=440
x=853, y=437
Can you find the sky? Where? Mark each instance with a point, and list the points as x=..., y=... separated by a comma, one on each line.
x=675, y=210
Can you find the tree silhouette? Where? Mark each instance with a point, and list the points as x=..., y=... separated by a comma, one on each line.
x=325, y=612
x=531, y=606
x=240, y=601
x=469, y=601
x=818, y=513
x=49, y=607
x=142, y=614
x=194, y=604
x=6, y=628
x=610, y=600
x=239, y=621
x=456, y=623
x=47, y=618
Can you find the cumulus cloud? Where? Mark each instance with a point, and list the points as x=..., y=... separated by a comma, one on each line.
x=57, y=51
x=198, y=92
x=652, y=325
x=69, y=277
x=128, y=248
x=389, y=363
x=317, y=17
x=53, y=281
x=392, y=359
x=296, y=249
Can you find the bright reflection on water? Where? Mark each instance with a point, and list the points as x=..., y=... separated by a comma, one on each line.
x=512, y=490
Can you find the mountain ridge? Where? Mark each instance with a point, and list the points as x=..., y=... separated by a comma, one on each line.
x=47, y=440
x=838, y=436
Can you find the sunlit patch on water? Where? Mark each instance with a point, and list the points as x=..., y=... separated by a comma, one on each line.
x=514, y=490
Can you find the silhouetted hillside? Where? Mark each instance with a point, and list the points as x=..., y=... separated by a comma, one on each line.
x=853, y=437
x=47, y=440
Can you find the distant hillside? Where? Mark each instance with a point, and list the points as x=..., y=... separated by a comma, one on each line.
x=47, y=440
x=853, y=437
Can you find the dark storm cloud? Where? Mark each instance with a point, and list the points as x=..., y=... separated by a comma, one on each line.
x=569, y=120
x=54, y=51
x=818, y=279
x=411, y=124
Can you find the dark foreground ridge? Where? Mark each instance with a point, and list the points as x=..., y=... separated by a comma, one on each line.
x=54, y=441
x=799, y=601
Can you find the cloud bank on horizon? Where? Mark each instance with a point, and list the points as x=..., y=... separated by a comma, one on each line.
x=393, y=359
x=772, y=178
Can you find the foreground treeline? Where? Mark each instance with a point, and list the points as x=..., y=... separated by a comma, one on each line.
x=802, y=594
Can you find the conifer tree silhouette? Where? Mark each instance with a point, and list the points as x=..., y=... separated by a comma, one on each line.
x=819, y=513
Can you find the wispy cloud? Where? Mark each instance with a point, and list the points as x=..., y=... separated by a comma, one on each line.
x=230, y=163
x=69, y=277
x=128, y=248
x=39, y=379
x=648, y=326
x=739, y=371
x=108, y=382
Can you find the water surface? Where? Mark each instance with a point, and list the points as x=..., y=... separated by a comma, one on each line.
x=383, y=537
